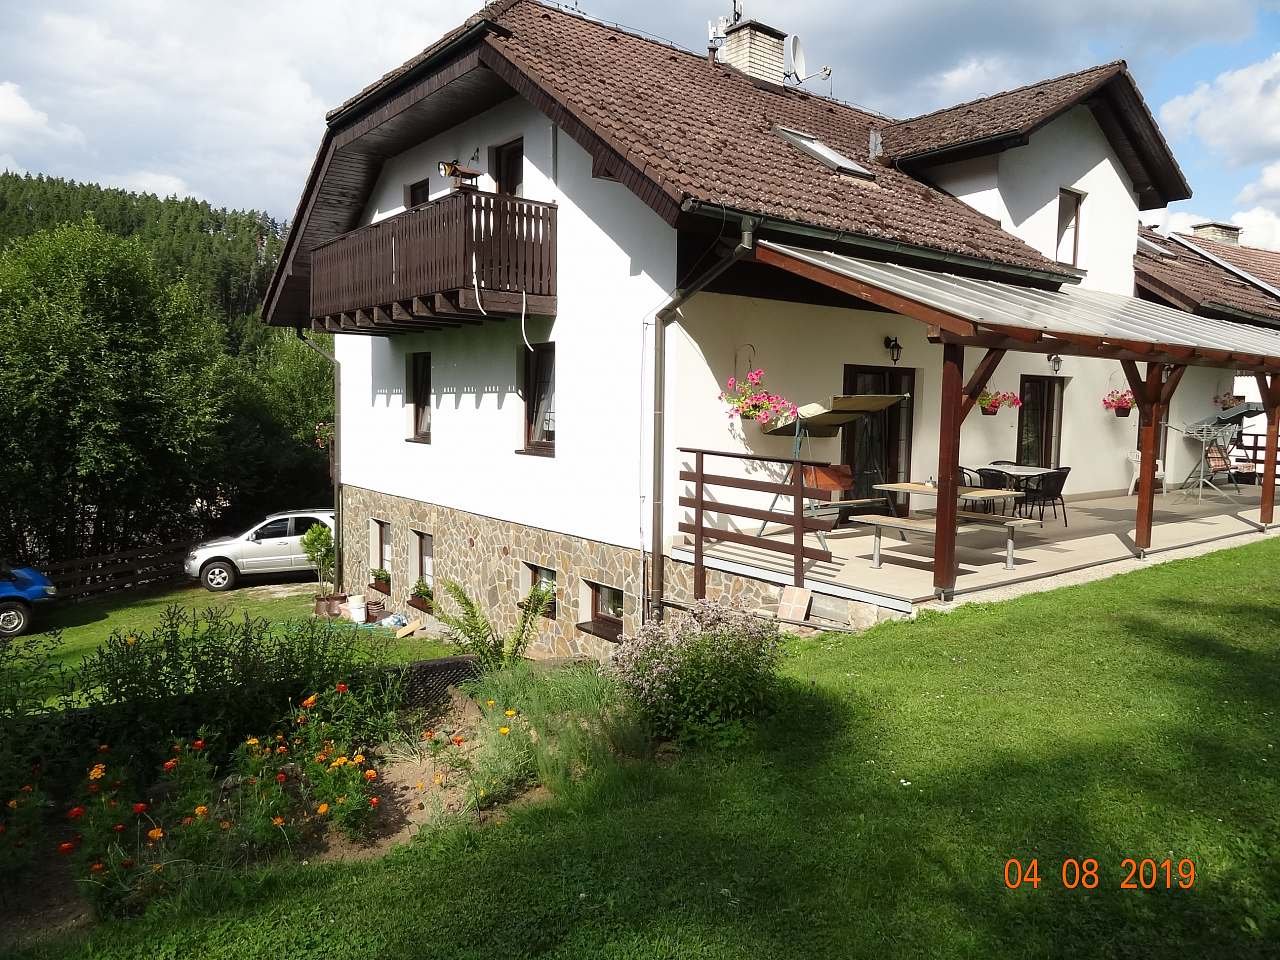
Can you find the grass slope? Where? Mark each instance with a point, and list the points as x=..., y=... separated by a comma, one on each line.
x=1135, y=716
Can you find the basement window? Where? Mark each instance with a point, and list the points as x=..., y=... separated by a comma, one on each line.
x=820, y=151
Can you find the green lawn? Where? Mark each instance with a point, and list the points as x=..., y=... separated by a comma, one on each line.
x=873, y=814
x=85, y=625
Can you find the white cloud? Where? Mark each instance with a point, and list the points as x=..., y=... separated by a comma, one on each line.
x=21, y=124
x=1237, y=115
x=10, y=165
x=1172, y=221
x=1265, y=191
x=151, y=181
x=1261, y=227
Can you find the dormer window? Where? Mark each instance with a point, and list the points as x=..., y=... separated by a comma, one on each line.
x=820, y=151
x=1069, y=203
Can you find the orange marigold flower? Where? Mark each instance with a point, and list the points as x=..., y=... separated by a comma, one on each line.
x=201, y=810
x=97, y=771
x=457, y=740
x=282, y=749
x=252, y=741
x=12, y=804
x=358, y=758
x=155, y=833
x=66, y=847
x=97, y=867
x=277, y=821
x=322, y=809
x=310, y=702
x=341, y=688
x=371, y=775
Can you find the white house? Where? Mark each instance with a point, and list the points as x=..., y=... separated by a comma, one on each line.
x=545, y=243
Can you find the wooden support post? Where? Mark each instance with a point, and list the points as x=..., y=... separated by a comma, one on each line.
x=1153, y=394
x=1269, y=387
x=951, y=416
x=699, y=492
x=797, y=521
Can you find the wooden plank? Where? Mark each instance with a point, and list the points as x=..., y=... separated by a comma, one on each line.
x=760, y=486
x=949, y=422
x=765, y=516
x=715, y=534
x=978, y=381
x=1151, y=412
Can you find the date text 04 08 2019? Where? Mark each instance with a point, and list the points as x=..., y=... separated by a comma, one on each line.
x=1085, y=874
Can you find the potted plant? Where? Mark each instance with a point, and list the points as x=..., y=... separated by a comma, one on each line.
x=990, y=403
x=421, y=597
x=749, y=400
x=1119, y=401
x=317, y=544
x=380, y=580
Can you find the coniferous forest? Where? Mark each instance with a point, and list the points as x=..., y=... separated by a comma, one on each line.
x=143, y=399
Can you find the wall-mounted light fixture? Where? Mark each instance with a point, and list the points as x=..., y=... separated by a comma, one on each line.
x=1055, y=361
x=895, y=349
x=462, y=176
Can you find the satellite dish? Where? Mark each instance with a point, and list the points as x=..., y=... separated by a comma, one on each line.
x=798, y=71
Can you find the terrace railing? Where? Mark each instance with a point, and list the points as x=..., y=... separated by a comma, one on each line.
x=464, y=240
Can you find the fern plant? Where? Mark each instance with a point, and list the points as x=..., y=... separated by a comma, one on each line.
x=475, y=633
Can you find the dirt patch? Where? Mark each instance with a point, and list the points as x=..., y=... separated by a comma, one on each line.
x=47, y=903
x=278, y=591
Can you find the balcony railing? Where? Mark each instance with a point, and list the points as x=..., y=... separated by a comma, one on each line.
x=465, y=240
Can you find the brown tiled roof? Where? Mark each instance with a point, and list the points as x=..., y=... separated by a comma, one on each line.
x=705, y=132
x=1262, y=264
x=1011, y=113
x=1186, y=279
x=1007, y=119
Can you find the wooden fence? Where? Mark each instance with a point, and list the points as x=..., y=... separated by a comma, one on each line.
x=117, y=571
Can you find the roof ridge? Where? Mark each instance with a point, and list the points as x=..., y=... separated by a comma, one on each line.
x=1122, y=64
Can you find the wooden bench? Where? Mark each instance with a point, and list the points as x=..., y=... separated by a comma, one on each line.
x=902, y=525
x=1010, y=524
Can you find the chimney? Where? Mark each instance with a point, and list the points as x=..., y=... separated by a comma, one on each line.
x=1222, y=232
x=755, y=49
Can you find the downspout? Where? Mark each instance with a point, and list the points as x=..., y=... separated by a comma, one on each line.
x=336, y=469
x=665, y=314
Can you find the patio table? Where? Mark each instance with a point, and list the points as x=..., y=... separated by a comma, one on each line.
x=976, y=494
x=1017, y=470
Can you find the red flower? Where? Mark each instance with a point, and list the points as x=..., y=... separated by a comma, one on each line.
x=118, y=828
x=66, y=847
x=170, y=764
x=373, y=802
x=139, y=808
x=75, y=813
x=341, y=688
x=457, y=740
x=280, y=777
x=97, y=867
x=197, y=744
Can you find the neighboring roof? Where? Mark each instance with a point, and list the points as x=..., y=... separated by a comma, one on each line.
x=1182, y=277
x=1007, y=119
x=1069, y=312
x=1259, y=263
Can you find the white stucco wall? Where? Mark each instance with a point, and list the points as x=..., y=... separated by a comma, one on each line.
x=1019, y=188
x=616, y=259
x=803, y=350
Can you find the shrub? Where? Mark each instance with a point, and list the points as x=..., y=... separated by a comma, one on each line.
x=700, y=674
x=317, y=544
x=476, y=634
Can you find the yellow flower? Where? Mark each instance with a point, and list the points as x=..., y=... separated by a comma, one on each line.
x=309, y=702
x=131, y=640
x=490, y=703
x=342, y=800
x=339, y=762
x=510, y=713
x=201, y=810
x=277, y=821
x=421, y=785
x=439, y=779
x=155, y=833
x=504, y=730
x=98, y=772
x=252, y=741
x=12, y=804
x=322, y=809
x=358, y=758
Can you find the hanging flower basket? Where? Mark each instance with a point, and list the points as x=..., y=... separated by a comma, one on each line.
x=749, y=400
x=990, y=403
x=1119, y=402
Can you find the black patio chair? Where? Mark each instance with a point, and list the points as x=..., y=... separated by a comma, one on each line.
x=1004, y=463
x=969, y=478
x=995, y=480
x=1045, y=491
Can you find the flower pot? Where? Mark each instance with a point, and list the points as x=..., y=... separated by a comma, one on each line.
x=989, y=412
x=321, y=608
x=382, y=586
x=1122, y=411
x=336, y=600
x=419, y=604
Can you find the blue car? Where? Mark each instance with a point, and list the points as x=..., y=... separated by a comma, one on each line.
x=21, y=588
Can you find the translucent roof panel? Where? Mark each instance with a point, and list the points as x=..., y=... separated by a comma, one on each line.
x=1070, y=310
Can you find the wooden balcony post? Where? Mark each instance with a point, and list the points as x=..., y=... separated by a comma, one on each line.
x=951, y=417
x=1153, y=394
x=797, y=521
x=699, y=568
x=1269, y=387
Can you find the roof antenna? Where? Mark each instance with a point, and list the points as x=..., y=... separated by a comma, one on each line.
x=717, y=29
x=798, y=72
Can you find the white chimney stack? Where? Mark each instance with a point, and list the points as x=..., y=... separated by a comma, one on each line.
x=1222, y=232
x=756, y=49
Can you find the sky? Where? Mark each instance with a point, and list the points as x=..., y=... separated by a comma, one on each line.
x=226, y=101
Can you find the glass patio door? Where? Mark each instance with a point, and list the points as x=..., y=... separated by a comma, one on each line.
x=878, y=446
x=1040, y=421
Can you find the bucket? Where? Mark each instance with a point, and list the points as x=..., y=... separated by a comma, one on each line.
x=356, y=598
x=357, y=611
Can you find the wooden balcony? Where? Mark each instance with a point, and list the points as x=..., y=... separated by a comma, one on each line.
x=443, y=263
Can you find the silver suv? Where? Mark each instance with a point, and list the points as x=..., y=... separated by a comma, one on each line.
x=273, y=546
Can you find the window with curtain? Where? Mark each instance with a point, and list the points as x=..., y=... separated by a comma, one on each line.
x=539, y=399
x=420, y=395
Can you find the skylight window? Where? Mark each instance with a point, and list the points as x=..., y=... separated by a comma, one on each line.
x=820, y=151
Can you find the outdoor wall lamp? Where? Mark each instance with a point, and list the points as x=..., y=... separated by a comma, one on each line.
x=1055, y=361
x=895, y=349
